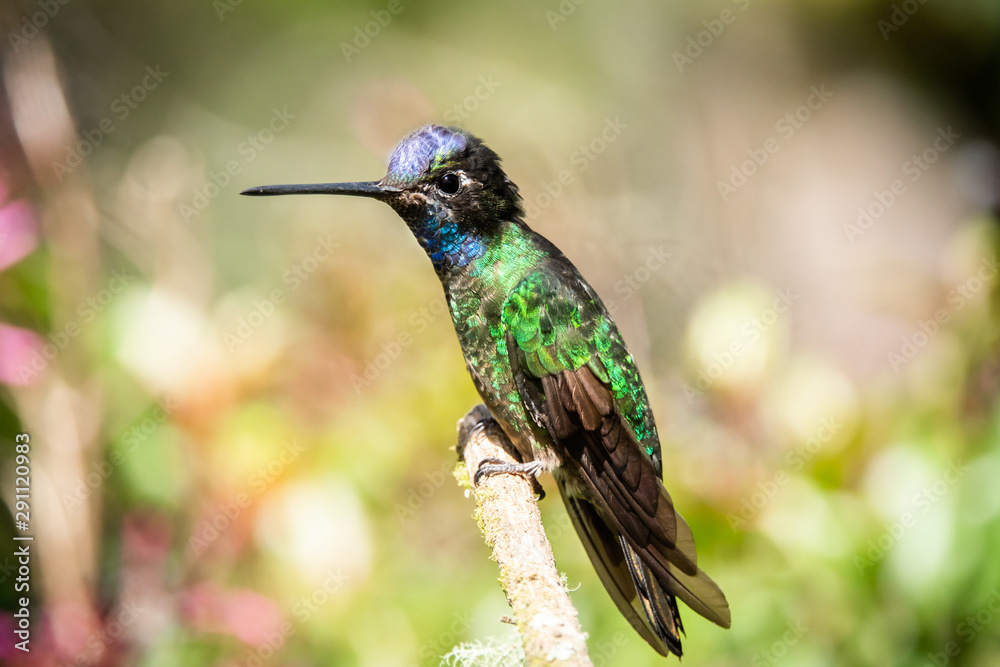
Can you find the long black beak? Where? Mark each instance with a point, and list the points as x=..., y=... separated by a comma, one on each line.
x=361, y=189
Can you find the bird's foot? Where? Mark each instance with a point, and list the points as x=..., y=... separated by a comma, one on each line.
x=491, y=466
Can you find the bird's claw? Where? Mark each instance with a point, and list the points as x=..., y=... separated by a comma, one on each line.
x=493, y=466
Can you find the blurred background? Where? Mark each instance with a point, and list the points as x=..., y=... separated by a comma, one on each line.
x=241, y=411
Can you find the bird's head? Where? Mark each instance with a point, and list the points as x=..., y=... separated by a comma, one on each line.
x=445, y=183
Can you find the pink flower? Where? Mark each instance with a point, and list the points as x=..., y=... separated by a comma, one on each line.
x=17, y=348
x=18, y=238
x=18, y=232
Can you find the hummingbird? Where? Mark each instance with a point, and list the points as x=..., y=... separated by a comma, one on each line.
x=552, y=367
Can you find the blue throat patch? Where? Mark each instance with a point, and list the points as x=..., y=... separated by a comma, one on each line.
x=422, y=154
x=440, y=237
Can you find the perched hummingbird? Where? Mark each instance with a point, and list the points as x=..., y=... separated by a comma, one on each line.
x=552, y=367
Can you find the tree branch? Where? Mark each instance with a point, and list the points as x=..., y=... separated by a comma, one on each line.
x=508, y=516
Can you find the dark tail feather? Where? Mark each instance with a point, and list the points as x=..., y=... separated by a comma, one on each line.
x=659, y=605
x=658, y=597
x=604, y=546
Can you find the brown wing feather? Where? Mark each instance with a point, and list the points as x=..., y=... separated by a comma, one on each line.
x=628, y=488
x=629, y=498
x=640, y=546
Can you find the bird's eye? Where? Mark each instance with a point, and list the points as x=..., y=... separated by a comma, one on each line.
x=449, y=184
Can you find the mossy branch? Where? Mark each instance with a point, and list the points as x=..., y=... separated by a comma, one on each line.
x=508, y=516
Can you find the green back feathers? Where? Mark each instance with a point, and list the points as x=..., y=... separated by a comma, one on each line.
x=559, y=327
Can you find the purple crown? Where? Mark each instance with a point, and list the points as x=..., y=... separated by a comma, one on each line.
x=423, y=150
